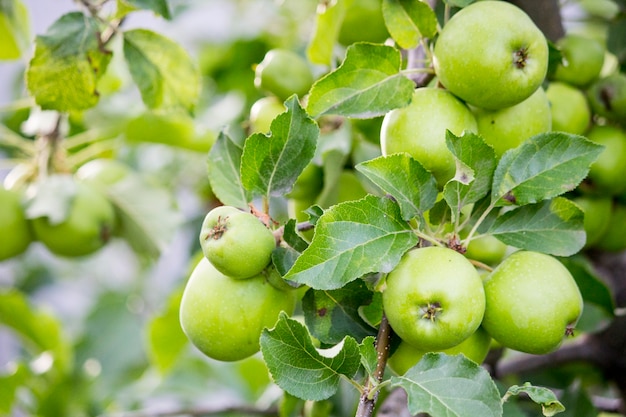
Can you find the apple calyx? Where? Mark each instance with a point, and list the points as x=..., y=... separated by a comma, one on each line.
x=520, y=57
x=431, y=311
x=569, y=330
x=218, y=230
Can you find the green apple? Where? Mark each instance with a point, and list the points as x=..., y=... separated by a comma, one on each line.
x=283, y=73
x=583, y=58
x=88, y=226
x=237, y=243
x=224, y=317
x=608, y=97
x=434, y=298
x=263, y=112
x=486, y=249
x=509, y=127
x=475, y=348
x=533, y=302
x=597, y=211
x=14, y=226
x=419, y=129
x=363, y=22
x=491, y=55
x=608, y=173
x=308, y=184
x=569, y=108
x=614, y=237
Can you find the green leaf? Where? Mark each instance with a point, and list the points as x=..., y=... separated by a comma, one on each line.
x=14, y=29
x=446, y=386
x=333, y=315
x=68, y=61
x=408, y=21
x=10, y=382
x=369, y=355
x=553, y=226
x=367, y=84
x=164, y=72
x=292, y=238
x=333, y=150
x=545, y=166
x=476, y=163
x=405, y=179
x=223, y=167
x=550, y=405
x=352, y=239
x=166, y=339
x=271, y=164
x=592, y=288
x=300, y=369
x=159, y=7
x=327, y=25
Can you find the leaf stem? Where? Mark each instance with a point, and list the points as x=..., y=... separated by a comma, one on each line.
x=12, y=139
x=481, y=219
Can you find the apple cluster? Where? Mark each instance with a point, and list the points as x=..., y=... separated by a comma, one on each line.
x=233, y=292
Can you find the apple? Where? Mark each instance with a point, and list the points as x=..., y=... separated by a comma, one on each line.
x=283, y=73
x=87, y=228
x=491, y=55
x=597, y=211
x=608, y=97
x=583, y=58
x=434, y=298
x=475, y=348
x=224, y=317
x=237, y=243
x=14, y=226
x=419, y=129
x=486, y=249
x=533, y=302
x=363, y=22
x=569, y=108
x=614, y=237
x=608, y=173
x=308, y=184
x=263, y=112
x=509, y=127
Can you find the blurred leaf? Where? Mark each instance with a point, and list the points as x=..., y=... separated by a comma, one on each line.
x=166, y=339
x=271, y=164
x=333, y=315
x=576, y=402
x=14, y=29
x=327, y=24
x=540, y=395
x=298, y=368
x=223, y=166
x=592, y=288
x=9, y=384
x=39, y=331
x=367, y=84
x=52, y=197
x=159, y=7
x=475, y=165
x=446, y=386
x=165, y=74
x=352, y=239
x=408, y=21
x=553, y=226
x=333, y=150
x=405, y=179
x=68, y=61
x=616, y=40
x=459, y=3
x=545, y=166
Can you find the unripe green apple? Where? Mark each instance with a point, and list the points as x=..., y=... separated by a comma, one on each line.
x=608, y=173
x=15, y=229
x=582, y=62
x=491, y=55
x=224, y=317
x=597, y=211
x=363, y=22
x=309, y=183
x=475, y=348
x=263, y=112
x=614, y=237
x=533, y=302
x=419, y=129
x=434, y=298
x=486, y=249
x=569, y=108
x=283, y=73
x=87, y=228
x=608, y=97
x=509, y=127
x=236, y=242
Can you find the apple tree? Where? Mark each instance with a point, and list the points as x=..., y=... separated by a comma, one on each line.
x=302, y=208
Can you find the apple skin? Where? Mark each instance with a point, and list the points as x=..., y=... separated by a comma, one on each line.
x=14, y=226
x=597, y=211
x=486, y=249
x=583, y=58
x=419, y=129
x=532, y=300
x=440, y=280
x=475, y=348
x=608, y=173
x=263, y=112
x=88, y=227
x=509, y=127
x=569, y=108
x=614, y=237
x=224, y=317
x=491, y=55
x=236, y=242
x=607, y=97
x=363, y=22
x=283, y=73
